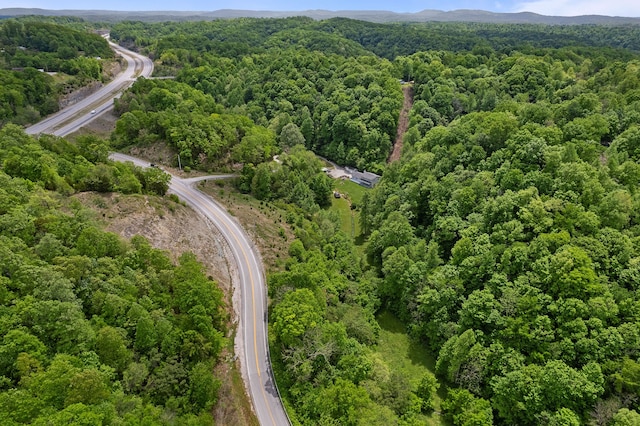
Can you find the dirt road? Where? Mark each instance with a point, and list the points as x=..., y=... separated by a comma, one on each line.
x=403, y=122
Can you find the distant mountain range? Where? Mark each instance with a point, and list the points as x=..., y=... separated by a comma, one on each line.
x=363, y=15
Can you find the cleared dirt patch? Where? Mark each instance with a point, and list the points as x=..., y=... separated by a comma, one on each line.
x=101, y=126
x=403, y=122
x=167, y=225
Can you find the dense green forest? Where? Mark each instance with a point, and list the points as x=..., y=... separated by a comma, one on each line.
x=29, y=45
x=344, y=107
x=207, y=137
x=234, y=38
x=506, y=238
x=95, y=329
x=520, y=177
x=334, y=79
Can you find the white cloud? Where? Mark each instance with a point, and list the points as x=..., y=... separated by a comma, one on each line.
x=580, y=7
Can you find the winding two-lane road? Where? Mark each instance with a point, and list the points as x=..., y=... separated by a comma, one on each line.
x=252, y=324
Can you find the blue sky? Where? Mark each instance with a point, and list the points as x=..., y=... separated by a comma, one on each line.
x=545, y=7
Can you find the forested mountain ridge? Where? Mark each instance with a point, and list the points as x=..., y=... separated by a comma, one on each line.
x=385, y=40
x=506, y=238
x=519, y=182
x=324, y=77
x=378, y=16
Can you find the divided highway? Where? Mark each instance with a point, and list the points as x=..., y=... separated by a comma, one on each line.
x=252, y=324
x=75, y=116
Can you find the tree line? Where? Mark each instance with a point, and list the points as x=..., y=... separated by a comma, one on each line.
x=234, y=38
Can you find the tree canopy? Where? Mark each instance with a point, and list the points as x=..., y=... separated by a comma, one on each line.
x=515, y=177
x=95, y=329
x=506, y=238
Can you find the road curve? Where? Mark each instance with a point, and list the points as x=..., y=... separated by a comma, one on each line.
x=79, y=114
x=253, y=318
x=252, y=324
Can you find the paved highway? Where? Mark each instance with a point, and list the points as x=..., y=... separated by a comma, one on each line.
x=77, y=115
x=253, y=319
x=252, y=324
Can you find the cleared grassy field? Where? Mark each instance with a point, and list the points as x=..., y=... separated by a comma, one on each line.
x=407, y=357
x=350, y=193
x=348, y=218
x=353, y=191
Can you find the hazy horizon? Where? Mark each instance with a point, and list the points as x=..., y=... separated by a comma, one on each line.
x=622, y=8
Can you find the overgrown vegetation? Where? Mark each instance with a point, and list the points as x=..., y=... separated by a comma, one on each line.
x=95, y=330
x=60, y=166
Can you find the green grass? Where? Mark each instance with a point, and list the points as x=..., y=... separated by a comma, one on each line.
x=349, y=223
x=407, y=356
x=351, y=193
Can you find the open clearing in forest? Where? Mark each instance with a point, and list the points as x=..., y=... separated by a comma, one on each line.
x=403, y=122
x=404, y=355
x=353, y=191
x=348, y=218
x=350, y=193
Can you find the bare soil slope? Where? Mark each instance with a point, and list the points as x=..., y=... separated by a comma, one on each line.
x=403, y=122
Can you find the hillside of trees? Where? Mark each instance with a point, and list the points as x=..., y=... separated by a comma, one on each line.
x=238, y=37
x=28, y=45
x=343, y=101
x=336, y=80
x=520, y=179
x=380, y=16
x=506, y=239
x=95, y=329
